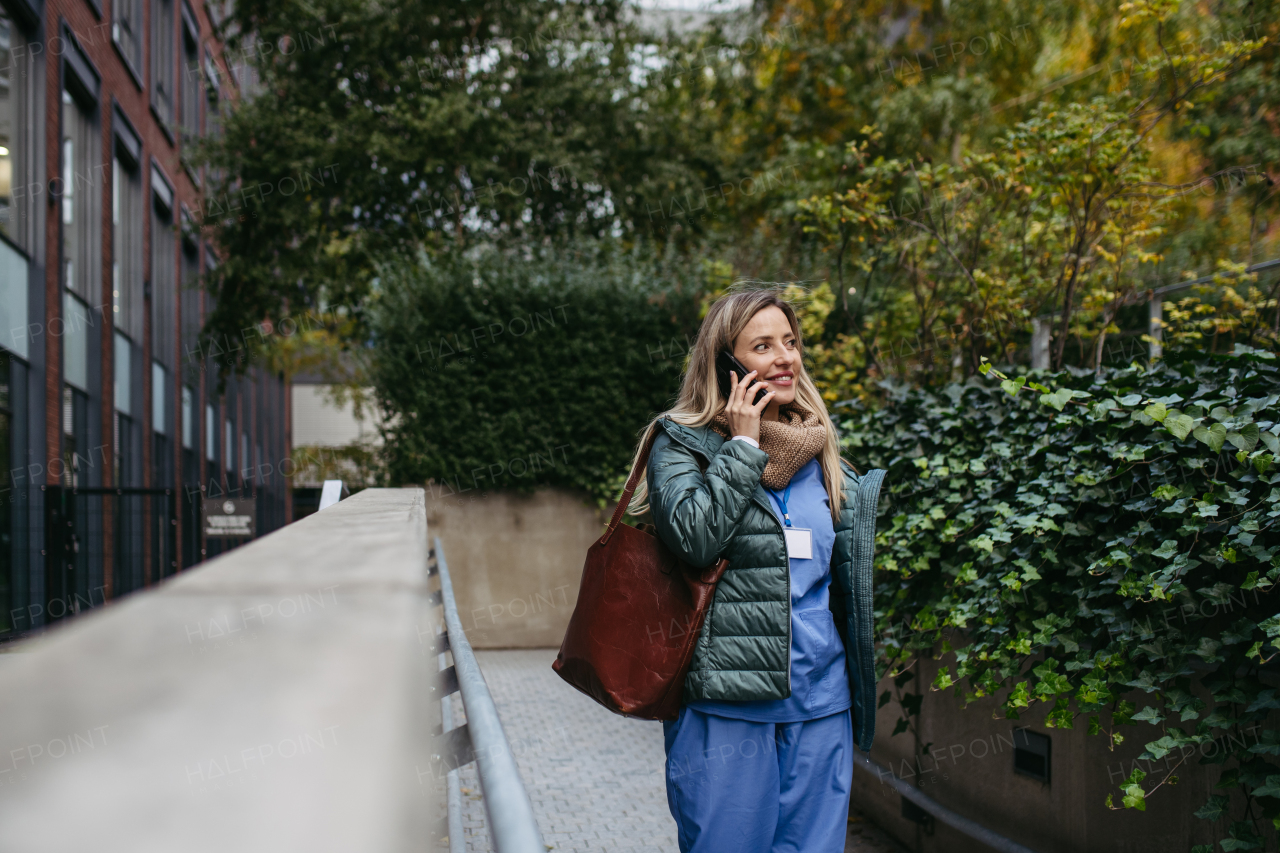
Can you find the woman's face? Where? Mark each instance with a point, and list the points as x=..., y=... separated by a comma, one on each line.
x=767, y=345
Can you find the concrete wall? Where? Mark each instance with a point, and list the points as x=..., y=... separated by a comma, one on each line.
x=516, y=561
x=318, y=422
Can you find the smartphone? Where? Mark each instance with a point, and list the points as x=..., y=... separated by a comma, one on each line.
x=725, y=362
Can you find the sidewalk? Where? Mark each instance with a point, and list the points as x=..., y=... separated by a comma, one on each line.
x=595, y=778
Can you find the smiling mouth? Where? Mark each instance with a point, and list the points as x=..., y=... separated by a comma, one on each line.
x=781, y=378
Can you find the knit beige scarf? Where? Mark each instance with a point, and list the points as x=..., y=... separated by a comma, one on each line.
x=791, y=442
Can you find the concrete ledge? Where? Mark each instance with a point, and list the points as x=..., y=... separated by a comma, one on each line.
x=276, y=698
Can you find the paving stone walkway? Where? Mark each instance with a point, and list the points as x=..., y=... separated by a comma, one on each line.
x=596, y=779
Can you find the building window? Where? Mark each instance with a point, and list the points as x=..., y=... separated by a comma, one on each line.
x=212, y=114
x=15, y=335
x=80, y=212
x=123, y=373
x=122, y=424
x=190, y=77
x=68, y=204
x=9, y=77
x=163, y=60
x=7, y=598
x=210, y=433
x=188, y=418
x=126, y=267
x=75, y=410
x=17, y=75
x=163, y=271
x=229, y=440
x=126, y=32
x=16, y=191
x=159, y=398
x=75, y=341
x=189, y=303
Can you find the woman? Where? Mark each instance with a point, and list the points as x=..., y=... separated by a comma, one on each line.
x=761, y=756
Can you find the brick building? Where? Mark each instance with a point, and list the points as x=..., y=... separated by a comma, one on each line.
x=109, y=412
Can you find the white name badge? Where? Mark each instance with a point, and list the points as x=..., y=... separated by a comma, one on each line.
x=799, y=542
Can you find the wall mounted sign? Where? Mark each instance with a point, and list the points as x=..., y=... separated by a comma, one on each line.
x=226, y=518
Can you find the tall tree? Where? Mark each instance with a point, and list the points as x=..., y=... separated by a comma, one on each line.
x=384, y=129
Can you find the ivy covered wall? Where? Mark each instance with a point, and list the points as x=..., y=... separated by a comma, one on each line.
x=1080, y=535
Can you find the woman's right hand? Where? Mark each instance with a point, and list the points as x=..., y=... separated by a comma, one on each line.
x=744, y=418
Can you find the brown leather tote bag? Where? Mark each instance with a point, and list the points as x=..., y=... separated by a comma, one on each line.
x=639, y=612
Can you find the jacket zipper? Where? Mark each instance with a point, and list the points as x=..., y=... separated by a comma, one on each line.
x=785, y=556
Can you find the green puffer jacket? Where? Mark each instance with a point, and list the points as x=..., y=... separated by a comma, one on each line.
x=707, y=502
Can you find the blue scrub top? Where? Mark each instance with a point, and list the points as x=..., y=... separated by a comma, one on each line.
x=819, y=680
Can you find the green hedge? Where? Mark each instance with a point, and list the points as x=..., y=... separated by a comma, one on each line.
x=1116, y=535
x=516, y=371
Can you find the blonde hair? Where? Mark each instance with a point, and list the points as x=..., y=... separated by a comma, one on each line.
x=700, y=400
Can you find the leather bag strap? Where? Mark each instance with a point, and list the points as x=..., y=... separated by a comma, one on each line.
x=636, y=473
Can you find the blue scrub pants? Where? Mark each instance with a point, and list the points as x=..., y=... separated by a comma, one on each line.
x=736, y=786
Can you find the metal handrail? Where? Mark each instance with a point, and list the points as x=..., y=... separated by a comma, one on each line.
x=453, y=786
x=956, y=821
x=512, y=828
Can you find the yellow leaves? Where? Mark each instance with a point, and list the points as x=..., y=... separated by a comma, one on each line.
x=338, y=245
x=1141, y=11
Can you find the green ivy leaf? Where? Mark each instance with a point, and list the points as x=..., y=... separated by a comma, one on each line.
x=1213, y=436
x=1246, y=438
x=1268, y=744
x=1270, y=789
x=1134, y=795
x=1156, y=411
x=1242, y=837
x=1160, y=748
x=1266, y=700
x=1149, y=715
x=1179, y=426
x=1058, y=399
x=1214, y=809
